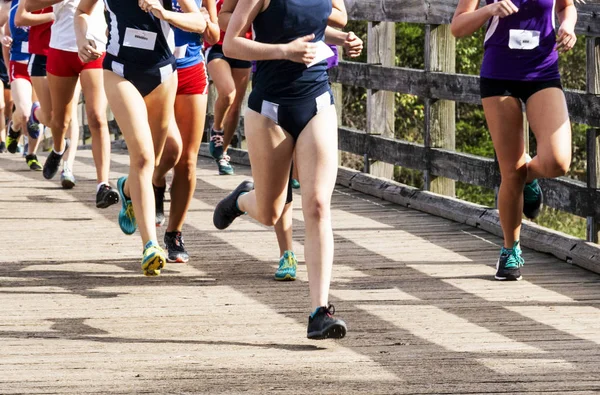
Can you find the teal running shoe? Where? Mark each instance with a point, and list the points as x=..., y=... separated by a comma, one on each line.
x=215, y=146
x=295, y=183
x=287, y=267
x=533, y=198
x=127, y=220
x=225, y=168
x=509, y=264
x=154, y=259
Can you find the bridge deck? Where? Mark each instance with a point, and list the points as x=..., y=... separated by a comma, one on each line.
x=425, y=316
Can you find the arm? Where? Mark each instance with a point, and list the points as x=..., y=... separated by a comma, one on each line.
x=351, y=43
x=87, y=47
x=235, y=45
x=226, y=12
x=35, y=5
x=212, y=34
x=567, y=16
x=4, y=11
x=468, y=18
x=339, y=16
x=25, y=18
x=190, y=19
x=6, y=42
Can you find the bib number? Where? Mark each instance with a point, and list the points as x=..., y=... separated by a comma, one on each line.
x=524, y=39
x=141, y=39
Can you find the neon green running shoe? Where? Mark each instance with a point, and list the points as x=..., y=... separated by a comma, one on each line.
x=287, y=267
x=154, y=259
x=12, y=139
x=127, y=220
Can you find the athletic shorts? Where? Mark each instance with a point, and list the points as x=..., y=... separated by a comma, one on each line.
x=192, y=80
x=37, y=65
x=144, y=79
x=67, y=64
x=4, y=75
x=291, y=115
x=522, y=90
x=216, y=52
x=18, y=70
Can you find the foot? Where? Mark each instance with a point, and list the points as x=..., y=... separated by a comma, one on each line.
x=227, y=211
x=295, y=183
x=106, y=196
x=176, y=248
x=53, y=162
x=154, y=259
x=533, y=198
x=509, y=264
x=322, y=325
x=2, y=147
x=215, y=147
x=159, y=201
x=33, y=162
x=12, y=139
x=225, y=168
x=127, y=220
x=287, y=267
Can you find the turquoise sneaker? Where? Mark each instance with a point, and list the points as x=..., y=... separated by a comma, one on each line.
x=127, y=220
x=225, y=168
x=287, y=267
x=509, y=264
x=154, y=259
x=533, y=198
x=295, y=183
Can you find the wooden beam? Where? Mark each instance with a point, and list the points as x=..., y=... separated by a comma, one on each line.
x=593, y=142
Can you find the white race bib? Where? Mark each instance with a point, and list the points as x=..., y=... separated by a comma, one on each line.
x=180, y=51
x=25, y=47
x=524, y=39
x=141, y=39
x=323, y=52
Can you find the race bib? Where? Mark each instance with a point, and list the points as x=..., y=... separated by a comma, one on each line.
x=323, y=52
x=141, y=39
x=180, y=51
x=524, y=39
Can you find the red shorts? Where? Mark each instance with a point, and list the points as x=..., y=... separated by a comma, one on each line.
x=67, y=64
x=192, y=80
x=18, y=70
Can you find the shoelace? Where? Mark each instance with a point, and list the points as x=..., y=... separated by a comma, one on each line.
x=224, y=161
x=217, y=139
x=514, y=260
x=329, y=310
x=129, y=212
x=178, y=242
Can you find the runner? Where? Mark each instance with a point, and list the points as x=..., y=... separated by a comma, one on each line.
x=230, y=77
x=22, y=92
x=520, y=65
x=183, y=141
x=141, y=85
x=5, y=87
x=288, y=262
x=291, y=108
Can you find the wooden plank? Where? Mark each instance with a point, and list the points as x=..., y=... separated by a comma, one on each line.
x=593, y=134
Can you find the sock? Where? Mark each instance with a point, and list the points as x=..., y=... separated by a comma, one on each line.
x=58, y=153
x=100, y=186
x=236, y=202
x=220, y=131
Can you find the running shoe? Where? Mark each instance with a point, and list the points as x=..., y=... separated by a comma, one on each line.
x=127, y=220
x=227, y=210
x=533, y=198
x=215, y=147
x=176, y=247
x=53, y=162
x=154, y=259
x=2, y=147
x=12, y=139
x=287, y=267
x=33, y=126
x=322, y=325
x=33, y=162
x=67, y=179
x=106, y=196
x=225, y=168
x=509, y=264
x=159, y=201
x=295, y=183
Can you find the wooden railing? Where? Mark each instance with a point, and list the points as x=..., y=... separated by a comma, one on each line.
x=441, y=88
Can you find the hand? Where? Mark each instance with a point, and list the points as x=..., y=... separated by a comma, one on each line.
x=353, y=45
x=503, y=8
x=87, y=51
x=301, y=50
x=6, y=40
x=153, y=6
x=566, y=38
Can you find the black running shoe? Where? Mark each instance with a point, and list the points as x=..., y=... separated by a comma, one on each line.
x=533, y=198
x=106, y=196
x=227, y=211
x=322, y=325
x=2, y=147
x=33, y=162
x=159, y=201
x=175, y=248
x=53, y=162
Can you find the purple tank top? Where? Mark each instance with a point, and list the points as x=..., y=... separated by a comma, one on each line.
x=521, y=46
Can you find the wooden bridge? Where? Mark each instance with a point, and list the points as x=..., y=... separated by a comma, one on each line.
x=413, y=274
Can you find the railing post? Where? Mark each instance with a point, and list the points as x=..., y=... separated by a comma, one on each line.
x=593, y=143
x=440, y=55
x=338, y=97
x=381, y=49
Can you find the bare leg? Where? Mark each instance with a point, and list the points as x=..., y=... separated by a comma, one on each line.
x=240, y=79
x=73, y=131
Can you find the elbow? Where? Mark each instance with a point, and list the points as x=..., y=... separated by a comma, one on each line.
x=19, y=21
x=227, y=48
x=456, y=31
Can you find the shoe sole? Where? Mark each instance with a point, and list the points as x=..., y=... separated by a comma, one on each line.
x=332, y=332
x=67, y=184
x=160, y=223
x=226, y=174
x=111, y=198
x=508, y=278
x=288, y=277
x=178, y=260
x=154, y=266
